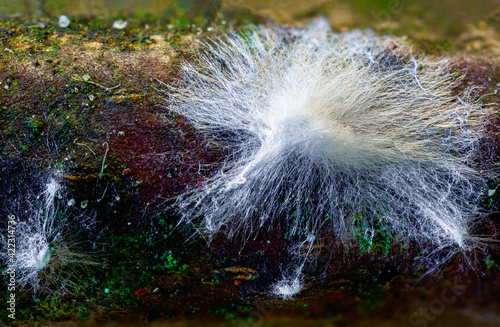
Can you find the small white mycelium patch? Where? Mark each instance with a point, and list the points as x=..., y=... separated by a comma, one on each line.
x=45, y=238
x=32, y=239
x=330, y=130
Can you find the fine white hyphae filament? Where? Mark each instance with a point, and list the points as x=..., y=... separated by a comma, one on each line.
x=329, y=130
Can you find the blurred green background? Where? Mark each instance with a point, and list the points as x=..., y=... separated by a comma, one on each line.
x=466, y=25
x=457, y=11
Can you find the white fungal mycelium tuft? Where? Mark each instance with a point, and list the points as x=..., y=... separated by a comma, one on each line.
x=331, y=132
x=47, y=243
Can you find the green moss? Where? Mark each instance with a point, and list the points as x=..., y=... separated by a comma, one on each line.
x=373, y=238
x=237, y=312
x=490, y=263
x=35, y=126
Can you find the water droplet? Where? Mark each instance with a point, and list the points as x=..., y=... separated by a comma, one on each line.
x=119, y=24
x=63, y=21
x=43, y=257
